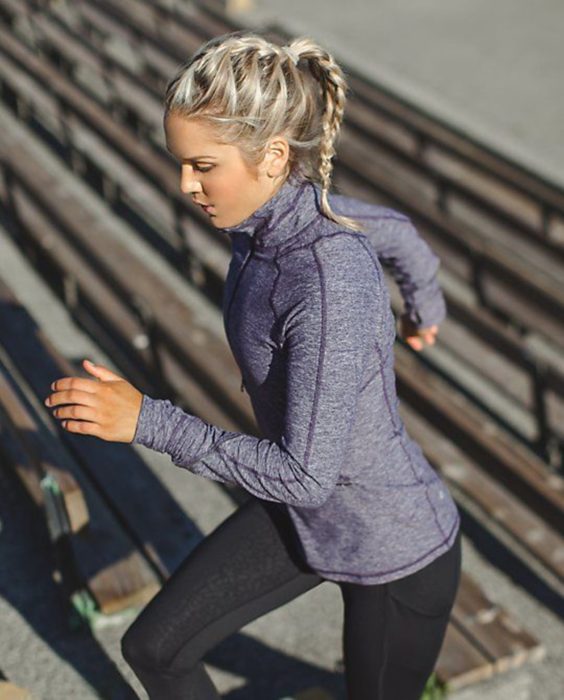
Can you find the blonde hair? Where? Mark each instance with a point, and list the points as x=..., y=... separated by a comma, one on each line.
x=251, y=89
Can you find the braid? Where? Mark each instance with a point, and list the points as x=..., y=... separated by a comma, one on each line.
x=334, y=88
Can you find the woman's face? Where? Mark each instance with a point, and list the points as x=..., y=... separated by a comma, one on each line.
x=215, y=173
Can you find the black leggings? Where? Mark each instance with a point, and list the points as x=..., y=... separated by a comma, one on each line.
x=251, y=564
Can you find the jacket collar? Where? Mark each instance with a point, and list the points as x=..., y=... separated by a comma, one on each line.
x=285, y=214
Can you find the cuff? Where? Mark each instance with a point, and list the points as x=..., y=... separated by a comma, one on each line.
x=146, y=422
x=430, y=313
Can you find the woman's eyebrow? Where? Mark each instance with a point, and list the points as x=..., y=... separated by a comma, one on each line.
x=192, y=159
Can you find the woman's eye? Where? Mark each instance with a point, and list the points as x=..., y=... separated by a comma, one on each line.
x=203, y=170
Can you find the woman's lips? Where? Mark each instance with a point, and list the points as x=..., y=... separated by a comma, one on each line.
x=207, y=208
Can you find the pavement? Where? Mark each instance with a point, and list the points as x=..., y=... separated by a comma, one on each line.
x=491, y=69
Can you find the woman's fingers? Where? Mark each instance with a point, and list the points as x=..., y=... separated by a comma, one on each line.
x=86, y=398
x=77, y=390
x=107, y=408
x=429, y=337
x=76, y=411
x=418, y=338
x=85, y=418
x=415, y=342
x=82, y=427
x=66, y=383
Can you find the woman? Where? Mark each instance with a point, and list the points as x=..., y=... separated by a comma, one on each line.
x=339, y=491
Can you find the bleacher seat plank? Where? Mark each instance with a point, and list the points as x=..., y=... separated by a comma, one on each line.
x=10, y=691
x=471, y=603
x=98, y=558
x=44, y=454
x=498, y=635
x=105, y=558
x=513, y=465
x=528, y=529
x=460, y=663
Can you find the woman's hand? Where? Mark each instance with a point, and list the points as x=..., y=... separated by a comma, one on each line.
x=415, y=337
x=107, y=407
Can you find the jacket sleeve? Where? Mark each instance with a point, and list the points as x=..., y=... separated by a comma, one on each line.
x=400, y=248
x=329, y=321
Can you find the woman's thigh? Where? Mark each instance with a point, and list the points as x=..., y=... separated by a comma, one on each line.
x=250, y=564
x=420, y=610
x=393, y=632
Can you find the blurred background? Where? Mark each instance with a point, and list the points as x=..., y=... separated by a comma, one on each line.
x=454, y=118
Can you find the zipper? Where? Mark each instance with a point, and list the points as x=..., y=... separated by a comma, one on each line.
x=235, y=287
x=236, y=283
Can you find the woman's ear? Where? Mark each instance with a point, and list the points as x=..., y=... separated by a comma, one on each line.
x=277, y=156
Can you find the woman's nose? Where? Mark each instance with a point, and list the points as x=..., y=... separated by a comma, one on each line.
x=188, y=183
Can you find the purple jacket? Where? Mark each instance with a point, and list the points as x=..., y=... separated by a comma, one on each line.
x=308, y=318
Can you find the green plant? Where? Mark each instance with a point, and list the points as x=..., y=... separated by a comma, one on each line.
x=434, y=689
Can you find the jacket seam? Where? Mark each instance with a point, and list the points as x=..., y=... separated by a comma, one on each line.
x=213, y=448
x=399, y=568
x=316, y=240
x=320, y=357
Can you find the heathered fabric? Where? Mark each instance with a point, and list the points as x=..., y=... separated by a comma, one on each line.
x=308, y=318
